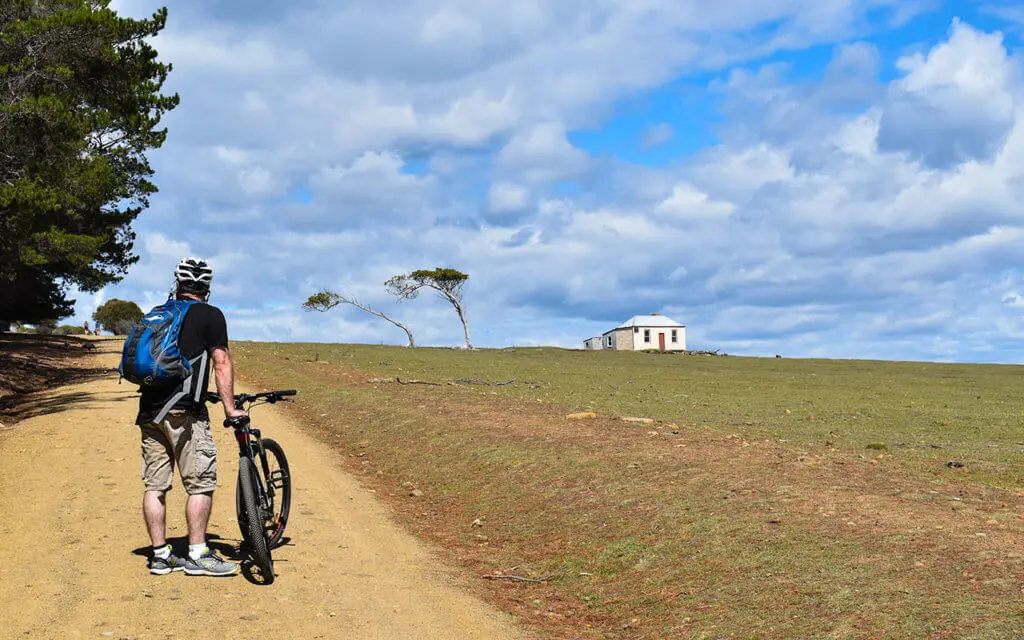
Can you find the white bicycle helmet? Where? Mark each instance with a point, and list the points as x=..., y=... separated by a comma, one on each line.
x=193, y=273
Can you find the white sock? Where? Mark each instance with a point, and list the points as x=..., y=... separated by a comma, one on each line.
x=163, y=552
x=196, y=550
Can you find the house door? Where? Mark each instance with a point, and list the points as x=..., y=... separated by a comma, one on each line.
x=661, y=341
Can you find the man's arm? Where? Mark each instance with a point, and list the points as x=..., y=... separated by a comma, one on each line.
x=224, y=374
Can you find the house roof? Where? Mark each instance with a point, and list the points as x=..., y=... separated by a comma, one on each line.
x=652, y=321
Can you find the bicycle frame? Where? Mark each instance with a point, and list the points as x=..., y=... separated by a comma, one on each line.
x=250, y=445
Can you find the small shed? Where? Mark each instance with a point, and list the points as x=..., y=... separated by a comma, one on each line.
x=592, y=343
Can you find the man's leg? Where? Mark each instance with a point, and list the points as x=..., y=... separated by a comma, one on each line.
x=156, y=475
x=154, y=509
x=198, y=465
x=197, y=513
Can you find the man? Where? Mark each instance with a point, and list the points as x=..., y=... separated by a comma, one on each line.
x=182, y=434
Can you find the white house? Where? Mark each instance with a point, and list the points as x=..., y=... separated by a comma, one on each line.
x=643, y=332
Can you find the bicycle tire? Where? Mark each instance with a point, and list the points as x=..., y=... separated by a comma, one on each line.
x=243, y=521
x=282, y=501
x=253, y=532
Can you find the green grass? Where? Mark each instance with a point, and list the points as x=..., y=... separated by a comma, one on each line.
x=934, y=412
x=794, y=527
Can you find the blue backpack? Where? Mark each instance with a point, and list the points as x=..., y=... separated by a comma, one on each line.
x=150, y=356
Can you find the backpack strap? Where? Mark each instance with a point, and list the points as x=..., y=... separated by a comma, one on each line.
x=192, y=385
x=199, y=373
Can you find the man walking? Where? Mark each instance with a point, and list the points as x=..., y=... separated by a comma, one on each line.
x=176, y=430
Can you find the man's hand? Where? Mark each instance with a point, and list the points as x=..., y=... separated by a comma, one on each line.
x=232, y=412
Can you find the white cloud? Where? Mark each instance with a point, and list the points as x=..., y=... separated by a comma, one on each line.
x=449, y=24
x=955, y=104
x=260, y=182
x=689, y=203
x=505, y=197
x=542, y=153
x=231, y=155
x=825, y=222
x=159, y=245
x=371, y=180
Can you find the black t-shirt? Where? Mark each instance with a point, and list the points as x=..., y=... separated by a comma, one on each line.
x=203, y=329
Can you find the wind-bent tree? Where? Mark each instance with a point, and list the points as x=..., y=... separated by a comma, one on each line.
x=446, y=282
x=327, y=300
x=80, y=105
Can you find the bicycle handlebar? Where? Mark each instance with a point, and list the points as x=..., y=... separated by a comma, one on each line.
x=242, y=398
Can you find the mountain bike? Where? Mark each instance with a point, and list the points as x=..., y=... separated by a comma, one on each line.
x=263, y=494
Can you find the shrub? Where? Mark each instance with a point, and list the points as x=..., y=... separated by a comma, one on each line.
x=115, y=315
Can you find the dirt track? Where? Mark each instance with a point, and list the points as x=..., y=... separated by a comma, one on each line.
x=73, y=545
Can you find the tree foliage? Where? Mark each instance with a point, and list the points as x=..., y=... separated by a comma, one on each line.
x=446, y=282
x=80, y=105
x=117, y=316
x=327, y=300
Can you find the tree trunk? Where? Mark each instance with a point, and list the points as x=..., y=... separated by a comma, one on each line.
x=367, y=309
x=412, y=343
x=465, y=325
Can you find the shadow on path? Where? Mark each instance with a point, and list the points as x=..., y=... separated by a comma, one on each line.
x=41, y=404
x=235, y=553
x=30, y=365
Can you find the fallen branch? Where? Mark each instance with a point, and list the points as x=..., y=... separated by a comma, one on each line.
x=484, y=382
x=414, y=381
x=518, y=578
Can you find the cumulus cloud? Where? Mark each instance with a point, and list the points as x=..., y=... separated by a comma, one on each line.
x=689, y=203
x=260, y=182
x=825, y=222
x=542, y=153
x=505, y=197
x=955, y=104
x=373, y=183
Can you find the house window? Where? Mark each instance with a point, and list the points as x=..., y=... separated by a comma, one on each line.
x=647, y=335
x=636, y=329
x=674, y=338
x=608, y=341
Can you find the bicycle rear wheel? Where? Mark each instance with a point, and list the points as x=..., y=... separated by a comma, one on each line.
x=252, y=528
x=279, y=491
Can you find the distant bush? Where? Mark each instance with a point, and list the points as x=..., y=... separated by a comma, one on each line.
x=45, y=327
x=117, y=316
x=69, y=330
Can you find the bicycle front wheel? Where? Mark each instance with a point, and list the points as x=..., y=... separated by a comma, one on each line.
x=279, y=491
x=252, y=528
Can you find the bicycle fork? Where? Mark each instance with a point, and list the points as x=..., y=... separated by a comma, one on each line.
x=250, y=446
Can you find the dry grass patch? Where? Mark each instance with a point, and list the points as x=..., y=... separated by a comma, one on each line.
x=649, y=531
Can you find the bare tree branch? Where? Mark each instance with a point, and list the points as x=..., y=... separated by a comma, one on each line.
x=327, y=300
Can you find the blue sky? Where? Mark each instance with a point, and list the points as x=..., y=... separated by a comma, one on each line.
x=817, y=178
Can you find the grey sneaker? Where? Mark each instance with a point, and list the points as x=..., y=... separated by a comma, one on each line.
x=163, y=566
x=209, y=564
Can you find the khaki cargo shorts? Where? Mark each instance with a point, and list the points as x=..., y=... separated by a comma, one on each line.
x=184, y=440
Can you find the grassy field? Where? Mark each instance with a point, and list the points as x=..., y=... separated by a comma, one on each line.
x=770, y=498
